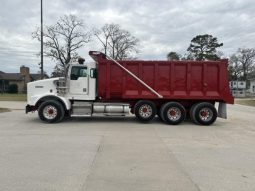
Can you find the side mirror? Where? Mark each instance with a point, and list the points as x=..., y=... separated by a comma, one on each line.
x=93, y=73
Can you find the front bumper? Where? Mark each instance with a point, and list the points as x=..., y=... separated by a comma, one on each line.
x=30, y=108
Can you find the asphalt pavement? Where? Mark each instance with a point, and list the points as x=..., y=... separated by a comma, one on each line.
x=119, y=153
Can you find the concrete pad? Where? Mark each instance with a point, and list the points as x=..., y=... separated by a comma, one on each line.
x=41, y=157
x=135, y=163
x=118, y=153
x=219, y=157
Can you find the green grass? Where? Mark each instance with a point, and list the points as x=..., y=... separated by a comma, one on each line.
x=4, y=110
x=249, y=102
x=13, y=97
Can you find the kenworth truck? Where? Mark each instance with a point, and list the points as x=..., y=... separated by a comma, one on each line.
x=172, y=90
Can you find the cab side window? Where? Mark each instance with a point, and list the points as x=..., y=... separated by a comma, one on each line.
x=83, y=72
x=77, y=72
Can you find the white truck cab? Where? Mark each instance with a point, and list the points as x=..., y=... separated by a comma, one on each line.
x=73, y=95
x=81, y=82
x=61, y=93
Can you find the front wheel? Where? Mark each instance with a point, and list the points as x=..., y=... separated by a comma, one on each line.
x=51, y=111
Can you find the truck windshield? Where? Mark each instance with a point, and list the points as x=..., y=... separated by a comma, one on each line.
x=78, y=71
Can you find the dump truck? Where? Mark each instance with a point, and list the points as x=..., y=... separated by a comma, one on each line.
x=171, y=90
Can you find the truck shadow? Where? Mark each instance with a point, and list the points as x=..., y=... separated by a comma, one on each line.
x=107, y=119
x=117, y=119
x=130, y=120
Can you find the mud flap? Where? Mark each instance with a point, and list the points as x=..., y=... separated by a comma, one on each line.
x=222, y=110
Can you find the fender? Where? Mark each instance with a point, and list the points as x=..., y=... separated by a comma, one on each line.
x=39, y=99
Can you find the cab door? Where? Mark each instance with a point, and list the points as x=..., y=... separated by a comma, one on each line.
x=79, y=81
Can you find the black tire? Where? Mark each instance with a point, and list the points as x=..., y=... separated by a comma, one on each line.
x=145, y=110
x=204, y=113
x=51, y=111
x=161, y=115
x=192, y=114
x=178, y=111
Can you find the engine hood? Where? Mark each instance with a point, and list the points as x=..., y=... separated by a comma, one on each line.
x=41, y=87
x=45, y=81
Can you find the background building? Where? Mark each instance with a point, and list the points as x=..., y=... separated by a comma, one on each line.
x=21, y=79
x=252, y=86
x=238, y=88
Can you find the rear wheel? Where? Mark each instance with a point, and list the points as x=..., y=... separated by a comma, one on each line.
x=173, y=113
x=204, y=113
x=145, y=110
x=192, y=114
x=51, y=111
x=161, y=114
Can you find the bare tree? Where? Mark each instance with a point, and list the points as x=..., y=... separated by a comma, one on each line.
x=58, y=71
x=116, y=42
x=246, y=59
x=234, y=68
x=62, y=40
x=242, y=63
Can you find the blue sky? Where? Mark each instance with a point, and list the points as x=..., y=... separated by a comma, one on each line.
x=161, y=26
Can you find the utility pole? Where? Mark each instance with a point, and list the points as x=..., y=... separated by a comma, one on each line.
x=42, y=73
x=3, y=88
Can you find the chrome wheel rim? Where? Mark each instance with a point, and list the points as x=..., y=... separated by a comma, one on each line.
x=205, y=114
x=145, y=111
x=174, y=113
x=50, y=112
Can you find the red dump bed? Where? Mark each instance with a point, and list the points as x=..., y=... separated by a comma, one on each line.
x=174, y=80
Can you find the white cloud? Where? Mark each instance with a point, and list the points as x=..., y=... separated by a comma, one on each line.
x=161, y=26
